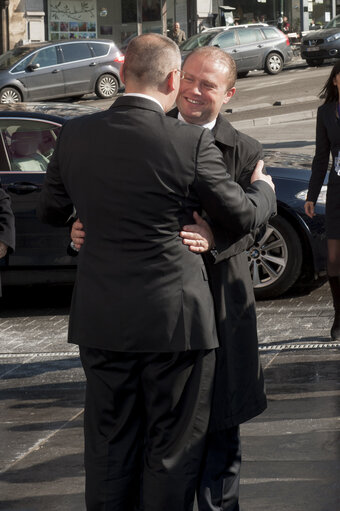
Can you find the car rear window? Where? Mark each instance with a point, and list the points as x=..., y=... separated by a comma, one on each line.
x=76, y=51
x=100, y=49
x=249, y=35
x=271, y=33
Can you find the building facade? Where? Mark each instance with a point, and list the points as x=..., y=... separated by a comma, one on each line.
x=24, y=21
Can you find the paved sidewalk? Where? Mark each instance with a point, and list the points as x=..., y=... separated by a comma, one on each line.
x=291, y=452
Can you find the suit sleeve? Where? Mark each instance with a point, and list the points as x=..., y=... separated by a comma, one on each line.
x=55, y=206
x=227, y=205
x=7, y=224
x=321, y=158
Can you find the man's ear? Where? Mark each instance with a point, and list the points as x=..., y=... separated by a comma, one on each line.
x=229, y=94
x=172, y=81
x=121, y=73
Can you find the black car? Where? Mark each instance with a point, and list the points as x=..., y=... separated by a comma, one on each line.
x=255, y=46
x=292, y=248
x=58, y=69
x=318, y=45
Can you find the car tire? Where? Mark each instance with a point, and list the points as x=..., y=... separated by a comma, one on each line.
x=314, y=62
x=274, y=63
x=242, y=74
x=275, y=260
x=10, y=95
x=106, y=86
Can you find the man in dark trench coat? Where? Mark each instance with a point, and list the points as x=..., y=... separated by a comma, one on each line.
x=239, y=386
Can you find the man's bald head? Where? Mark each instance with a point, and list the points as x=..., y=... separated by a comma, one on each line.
x=149, y=59
x=221, y=57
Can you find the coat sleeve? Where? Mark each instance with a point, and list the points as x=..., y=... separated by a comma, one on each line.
x=7, y=224
x=321, y=158
x=55, y=206
x=226, y=204
x=248, y=153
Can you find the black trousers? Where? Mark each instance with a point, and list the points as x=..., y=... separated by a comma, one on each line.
x=220, y=479
x=145, y=410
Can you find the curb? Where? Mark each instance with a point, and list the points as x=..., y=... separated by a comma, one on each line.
x=274, y=119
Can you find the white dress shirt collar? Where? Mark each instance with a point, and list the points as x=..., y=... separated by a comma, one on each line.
x=139, y=95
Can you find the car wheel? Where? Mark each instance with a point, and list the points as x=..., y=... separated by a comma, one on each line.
x=107, y=86
x=274, y=63
x=275, y=260
x=314, y=62
x=242, y=74
x=10, y=95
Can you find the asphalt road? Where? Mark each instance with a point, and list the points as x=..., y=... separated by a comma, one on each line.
x=291, y=452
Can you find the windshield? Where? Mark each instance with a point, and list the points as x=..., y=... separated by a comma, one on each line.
x=334, y=23
x=8, y=59
x=198, y=40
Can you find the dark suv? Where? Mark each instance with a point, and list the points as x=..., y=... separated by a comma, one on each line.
x=251, y=46
x=318, y=45
x=60, y=69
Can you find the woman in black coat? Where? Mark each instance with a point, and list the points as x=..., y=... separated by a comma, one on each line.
x=328, y=141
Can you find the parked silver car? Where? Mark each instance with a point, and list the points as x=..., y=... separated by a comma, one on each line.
x=60, y=69
x=256, y=46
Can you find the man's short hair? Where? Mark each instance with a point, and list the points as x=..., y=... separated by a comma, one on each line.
x=218, y=55
x=150, y=58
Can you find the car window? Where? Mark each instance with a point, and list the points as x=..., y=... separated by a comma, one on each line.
x=29, y=144
x=45, y=57
x=11, y=57
x=270, y=33
x=74, y=51
x=249, y=35
x=334, y=23
x=100, y=49
x=22, y=65
x=226, y=39
x=198, y=40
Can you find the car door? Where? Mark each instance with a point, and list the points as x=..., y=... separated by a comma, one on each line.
x=250, y=49
x=227, y=41
x=78, y=67
x=26, y=146
x=43, y=76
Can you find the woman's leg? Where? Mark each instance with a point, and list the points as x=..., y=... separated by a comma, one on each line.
x=333, y=269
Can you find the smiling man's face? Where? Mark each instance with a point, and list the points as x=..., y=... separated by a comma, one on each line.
x=203, y=89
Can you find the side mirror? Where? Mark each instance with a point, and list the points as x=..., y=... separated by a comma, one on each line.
x=33, y=67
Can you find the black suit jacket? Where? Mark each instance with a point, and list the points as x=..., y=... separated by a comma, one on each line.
x=7, y=228
x=135, y=176
x=327, y=142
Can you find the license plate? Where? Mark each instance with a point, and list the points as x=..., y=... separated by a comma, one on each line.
x=313, y=48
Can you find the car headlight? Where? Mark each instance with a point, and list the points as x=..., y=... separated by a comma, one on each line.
x=333, y=37
x=321, y=199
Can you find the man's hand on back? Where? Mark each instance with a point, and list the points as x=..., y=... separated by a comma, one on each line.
x=199, y=236
x=258, y=175
x=77, y=234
